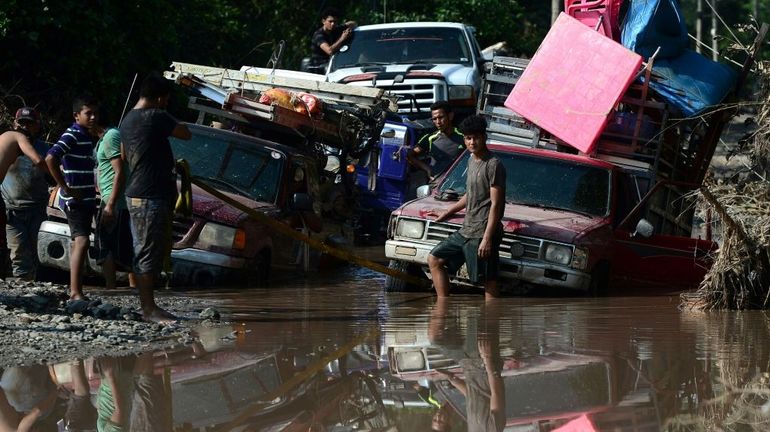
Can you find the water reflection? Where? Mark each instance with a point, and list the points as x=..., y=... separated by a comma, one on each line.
x=317, y=357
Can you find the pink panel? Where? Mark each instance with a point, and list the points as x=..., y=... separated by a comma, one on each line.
x=573, y=83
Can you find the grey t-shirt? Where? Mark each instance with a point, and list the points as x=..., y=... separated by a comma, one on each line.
x=482, y=175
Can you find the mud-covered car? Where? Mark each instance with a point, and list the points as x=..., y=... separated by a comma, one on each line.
x=219, y=243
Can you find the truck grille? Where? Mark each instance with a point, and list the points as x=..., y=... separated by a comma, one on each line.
x=439, y=231
x=179, y=228
x=425, y=94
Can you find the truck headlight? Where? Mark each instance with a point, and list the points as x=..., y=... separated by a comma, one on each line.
x=410, y=228
x=460, y=92
x=558, y=254
x=222, y=236
x=579, y=259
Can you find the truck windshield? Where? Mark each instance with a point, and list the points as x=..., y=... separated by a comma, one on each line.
x=232, y=166
x=405, y=45
x=545, y=182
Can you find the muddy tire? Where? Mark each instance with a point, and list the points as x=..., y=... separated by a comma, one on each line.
x=394, y=284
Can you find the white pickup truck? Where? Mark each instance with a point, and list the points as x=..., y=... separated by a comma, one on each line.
x=423, y=62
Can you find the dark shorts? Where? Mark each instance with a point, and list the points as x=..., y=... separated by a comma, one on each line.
x=114, y=239
x=457, y=250
x=151, y=229
x=80, y=218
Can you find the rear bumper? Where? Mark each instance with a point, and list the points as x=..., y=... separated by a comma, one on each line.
x=511, y=270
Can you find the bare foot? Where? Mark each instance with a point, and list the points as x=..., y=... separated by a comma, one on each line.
x=158, y=315
x=77, y=296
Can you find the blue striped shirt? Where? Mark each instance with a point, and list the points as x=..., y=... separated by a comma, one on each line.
x=75, y=150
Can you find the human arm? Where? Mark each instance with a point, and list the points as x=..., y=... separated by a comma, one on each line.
x=446, y=214
x=334, y=47
x=456, y=381
x=181, y=131
x=54, y=168
x=108, y=213
x=28, y=421
x=413, y=157
x=26, y=147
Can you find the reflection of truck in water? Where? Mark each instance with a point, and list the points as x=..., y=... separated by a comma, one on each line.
x=577, y=221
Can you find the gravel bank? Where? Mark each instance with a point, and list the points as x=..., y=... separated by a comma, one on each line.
x=39, y=325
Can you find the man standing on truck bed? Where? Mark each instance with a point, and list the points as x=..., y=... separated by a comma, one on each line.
x=151, y=188
x=328, y=39
x=476, y=244
x=441, y=147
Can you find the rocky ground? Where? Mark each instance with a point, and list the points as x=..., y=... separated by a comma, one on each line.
x=38, y=324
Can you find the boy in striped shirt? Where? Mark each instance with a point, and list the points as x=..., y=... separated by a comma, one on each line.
x=71, y=163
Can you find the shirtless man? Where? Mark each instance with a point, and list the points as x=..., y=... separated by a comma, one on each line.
x=13, y=144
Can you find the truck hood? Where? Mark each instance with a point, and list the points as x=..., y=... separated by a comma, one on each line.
x=555, y=225
x=452, y=73
x=213, y=209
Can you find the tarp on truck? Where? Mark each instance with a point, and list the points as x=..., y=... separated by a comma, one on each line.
x=650, y=24
x=685, y=79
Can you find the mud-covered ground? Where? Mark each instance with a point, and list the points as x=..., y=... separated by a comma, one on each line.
x=38, y=324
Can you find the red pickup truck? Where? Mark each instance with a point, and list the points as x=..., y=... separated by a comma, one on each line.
x=570, y=221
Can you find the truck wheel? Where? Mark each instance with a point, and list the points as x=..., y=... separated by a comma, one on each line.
x=393, y=284
x=599, y=281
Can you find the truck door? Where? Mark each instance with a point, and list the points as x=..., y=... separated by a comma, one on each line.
x=666, y=259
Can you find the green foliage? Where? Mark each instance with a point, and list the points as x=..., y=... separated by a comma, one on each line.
x=54, y=50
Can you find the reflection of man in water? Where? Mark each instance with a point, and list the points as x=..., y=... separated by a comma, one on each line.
x=27, y=398
x=481, y=384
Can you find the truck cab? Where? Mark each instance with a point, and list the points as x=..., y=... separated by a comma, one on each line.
x=566, y=225
x=422, y=62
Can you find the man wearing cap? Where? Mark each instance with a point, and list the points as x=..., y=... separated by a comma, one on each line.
x=13, y=144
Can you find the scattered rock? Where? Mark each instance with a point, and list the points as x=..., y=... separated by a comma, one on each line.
x=209, y=314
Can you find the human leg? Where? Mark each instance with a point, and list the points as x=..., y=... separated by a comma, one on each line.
x=439, y=275
x=78, y=253
x=21, y=231
x=79, y=218
x=446, y=258
x=150, y=220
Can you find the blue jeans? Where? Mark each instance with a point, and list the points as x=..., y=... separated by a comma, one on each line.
x=21, y=231
x=151, y=228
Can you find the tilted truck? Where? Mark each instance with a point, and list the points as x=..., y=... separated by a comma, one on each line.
x=622, y=216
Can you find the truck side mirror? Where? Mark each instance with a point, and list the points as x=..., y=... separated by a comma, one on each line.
x=423, y=191
x=301, y=202
x=643, y=228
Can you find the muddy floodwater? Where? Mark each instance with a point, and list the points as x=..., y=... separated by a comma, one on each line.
x=336, y=353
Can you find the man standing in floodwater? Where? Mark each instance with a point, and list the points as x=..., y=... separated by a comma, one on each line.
x=151, y=189
x=477, y=243
x=71, y=163
x=25, y=193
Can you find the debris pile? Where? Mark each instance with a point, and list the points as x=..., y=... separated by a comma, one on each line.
x=740, y=276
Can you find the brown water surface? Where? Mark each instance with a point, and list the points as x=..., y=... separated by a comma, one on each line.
x=336, y=353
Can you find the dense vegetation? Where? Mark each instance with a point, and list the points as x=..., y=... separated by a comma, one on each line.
x=56, y=49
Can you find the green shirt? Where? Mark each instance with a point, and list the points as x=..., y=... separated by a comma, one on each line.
x=107, y=149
